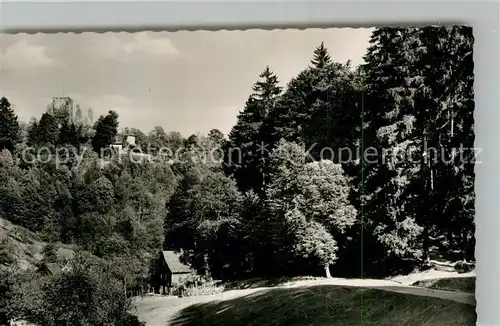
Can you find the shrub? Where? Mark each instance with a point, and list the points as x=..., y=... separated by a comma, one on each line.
x=6, y=251
x=12, y=290
x=87, y=294
x=208, y=288
x=194, y=284
x=464, y=267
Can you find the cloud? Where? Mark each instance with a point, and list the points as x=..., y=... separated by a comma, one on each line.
x=137, y=114
x=119, y=46
x=23, y=54
x=102, y=104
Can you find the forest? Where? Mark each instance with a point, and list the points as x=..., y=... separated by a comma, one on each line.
x=344, y=171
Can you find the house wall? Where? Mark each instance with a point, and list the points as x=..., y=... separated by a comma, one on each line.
x=117, y=148
x=131, y=140
x=161, y=277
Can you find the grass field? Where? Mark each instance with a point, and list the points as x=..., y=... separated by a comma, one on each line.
x=462, y=284
x=326, y=305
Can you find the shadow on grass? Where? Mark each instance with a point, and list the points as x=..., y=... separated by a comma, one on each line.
x=260, y=282
x=327, y=305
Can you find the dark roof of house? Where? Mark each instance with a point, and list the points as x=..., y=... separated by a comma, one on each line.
x=52, y=268
x=118, y=139
x=174, y=263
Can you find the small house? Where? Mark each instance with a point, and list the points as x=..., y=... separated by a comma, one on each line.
x=169, y=271
x=123, y=143
x=117, y=145
x=131, y=141
x=49, y=269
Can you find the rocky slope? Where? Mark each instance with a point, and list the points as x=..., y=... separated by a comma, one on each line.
x=23, y=249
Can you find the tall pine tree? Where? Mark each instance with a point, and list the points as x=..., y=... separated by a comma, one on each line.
x=418, y=111
x=245, y=150
x=9, y=126
x=44, y=132
x=446, y=104
x=389, y=135
x=321, y=57
x=319, y=109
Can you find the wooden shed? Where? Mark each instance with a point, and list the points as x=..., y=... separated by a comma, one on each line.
x=168, y=271
x=49, y=269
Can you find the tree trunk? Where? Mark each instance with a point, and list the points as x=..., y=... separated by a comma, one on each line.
x=327, y=271
x=426, y=243
x=464, y=244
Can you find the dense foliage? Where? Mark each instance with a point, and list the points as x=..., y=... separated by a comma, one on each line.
x=86, y=294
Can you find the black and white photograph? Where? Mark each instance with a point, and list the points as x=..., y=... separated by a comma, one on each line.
x=284, y=177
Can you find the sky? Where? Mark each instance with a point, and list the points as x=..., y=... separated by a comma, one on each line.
x=188, y=82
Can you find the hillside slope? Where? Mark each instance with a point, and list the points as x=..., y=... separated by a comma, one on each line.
x=23, y=249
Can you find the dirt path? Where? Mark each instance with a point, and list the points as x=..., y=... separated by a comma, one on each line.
x=158, y=310
x=430, y=275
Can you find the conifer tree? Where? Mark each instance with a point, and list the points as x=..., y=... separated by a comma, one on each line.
x=9, y=125
x=320, y=109
x=321, y=57
x=287, y=118
x=246, y=147
x=45, y=132
x=446, y=105
x=68, y=134
x=419, y=108
x=389, y=132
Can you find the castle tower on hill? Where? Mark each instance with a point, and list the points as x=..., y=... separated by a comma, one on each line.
x=64, y=101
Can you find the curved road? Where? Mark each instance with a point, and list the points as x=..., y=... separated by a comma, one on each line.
x=158, y=310
x=387, y=285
